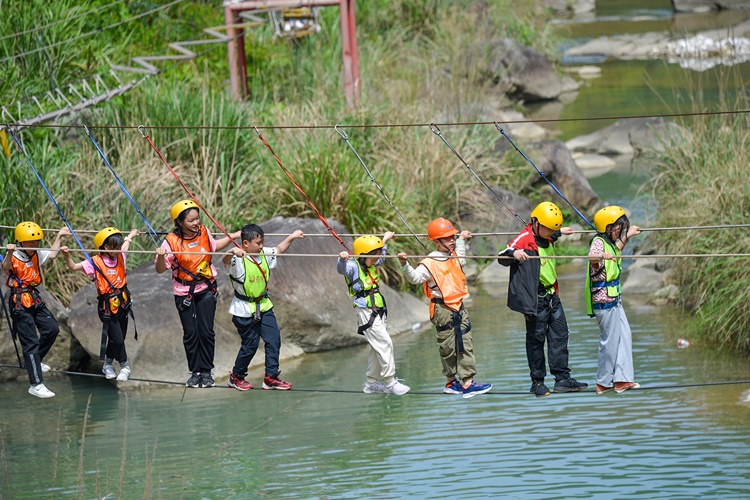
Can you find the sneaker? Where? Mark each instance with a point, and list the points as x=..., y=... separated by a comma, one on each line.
x=41, y=391
x=207, y=380
x=124, y=374
x=539, y=389
x=569, y=385
x=621, y=387
x=374, y=388
x=109, y=371
x=397, y=388
x=454, y=387
x=194, y=380
x=475, y=389
x=45, y=368
x=275, y=383
x=600, y=389
x=239, y=383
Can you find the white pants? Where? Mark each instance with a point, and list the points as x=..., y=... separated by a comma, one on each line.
x=615, y=347
x=380, y=360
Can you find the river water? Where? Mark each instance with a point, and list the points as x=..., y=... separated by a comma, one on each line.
x=674, y=438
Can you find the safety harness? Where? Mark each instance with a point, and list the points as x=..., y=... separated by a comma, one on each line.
x=371, y=296
x=454, y=323
x=264, y=294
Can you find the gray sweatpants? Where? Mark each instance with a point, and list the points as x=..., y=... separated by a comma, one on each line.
x=615, y=347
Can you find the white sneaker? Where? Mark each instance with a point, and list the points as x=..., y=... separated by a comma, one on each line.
x=124, y=374
x=108, y=371
x=41, y=391
x=45, y=368
x=374, y=388
x=397, y=388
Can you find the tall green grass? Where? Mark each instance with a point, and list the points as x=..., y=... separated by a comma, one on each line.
x=703, y=181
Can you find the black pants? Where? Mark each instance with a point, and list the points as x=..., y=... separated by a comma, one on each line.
x=26, y=320
x=549, y=324
x=251, y=331
x=117, y=330
x=198, y=335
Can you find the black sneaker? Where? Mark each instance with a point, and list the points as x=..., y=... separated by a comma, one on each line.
x=194, y=380
x=569, y=385
x=539, y=389
x=207, y=380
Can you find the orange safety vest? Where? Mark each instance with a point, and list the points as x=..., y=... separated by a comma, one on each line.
x=191, y=268
x=24, y=275
x=113, y=284
x=450, y=280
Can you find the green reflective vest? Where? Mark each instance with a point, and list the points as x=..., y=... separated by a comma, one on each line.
x=547, y=271
x=612, y=269
x=256, y=282
x=369, y=280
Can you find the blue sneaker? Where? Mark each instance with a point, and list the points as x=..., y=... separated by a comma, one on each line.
x=453, y=388
x=475, y=389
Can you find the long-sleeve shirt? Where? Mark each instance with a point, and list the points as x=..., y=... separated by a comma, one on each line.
x=350, y=269
x=421, y=274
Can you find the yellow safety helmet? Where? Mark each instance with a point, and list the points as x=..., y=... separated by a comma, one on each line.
x=29, y=231
x=606, y=216
x=180, y=207
x=366, y=244
x=548, y=214
x=102, y=235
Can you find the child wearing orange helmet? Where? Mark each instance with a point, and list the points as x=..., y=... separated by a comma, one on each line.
x=615, y=357
x=445, y=285
x=533, y=292
x=194, y=286
x=27, y=309
x=113, y=296
x=362, y=277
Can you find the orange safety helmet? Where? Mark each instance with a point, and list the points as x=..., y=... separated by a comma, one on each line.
x=441, y=228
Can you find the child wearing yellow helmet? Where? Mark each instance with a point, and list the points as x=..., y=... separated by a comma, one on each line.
x=444, y=284
x=27, y=309
x=194, y=286
x=533, y=291
x=360, y=271
x=113, y=296
x=615, y=358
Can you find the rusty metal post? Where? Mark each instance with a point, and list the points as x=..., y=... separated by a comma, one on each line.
x=241, y=63
x=346, y=49
x=354, y=51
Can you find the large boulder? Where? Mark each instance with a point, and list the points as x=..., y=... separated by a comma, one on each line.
x=310, y=299
x=519, y=71
x=709, y=5
x=629, y=137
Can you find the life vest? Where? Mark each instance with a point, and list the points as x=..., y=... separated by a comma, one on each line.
x=611, y=281
x=450, y=280
x=111, y=282
x=187, y=268
x=369, y=279
x=548, y=270
x=255, y=284
x=23, y=278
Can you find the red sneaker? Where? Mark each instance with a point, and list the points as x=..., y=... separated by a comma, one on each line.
x=239, y=383
x=275, y=383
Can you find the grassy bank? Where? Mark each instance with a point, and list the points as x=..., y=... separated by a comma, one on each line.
x=412, y=56
x=704, y=182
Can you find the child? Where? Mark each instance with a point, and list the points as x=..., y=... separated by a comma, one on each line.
x=362, y=278
x=27, y=309
x=113, y=296
x=615, y=369
x=445, y=286
x=533, y=292
x=194, y=286
x=251, y=308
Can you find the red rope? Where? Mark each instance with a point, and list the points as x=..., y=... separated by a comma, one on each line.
x=309, y=201
x=146, y=136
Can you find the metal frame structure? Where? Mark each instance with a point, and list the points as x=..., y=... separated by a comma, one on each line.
x=234, y=10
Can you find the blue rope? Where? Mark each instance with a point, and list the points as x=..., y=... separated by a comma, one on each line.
x=544, y=176
x=59, y=210
x=151, y=231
